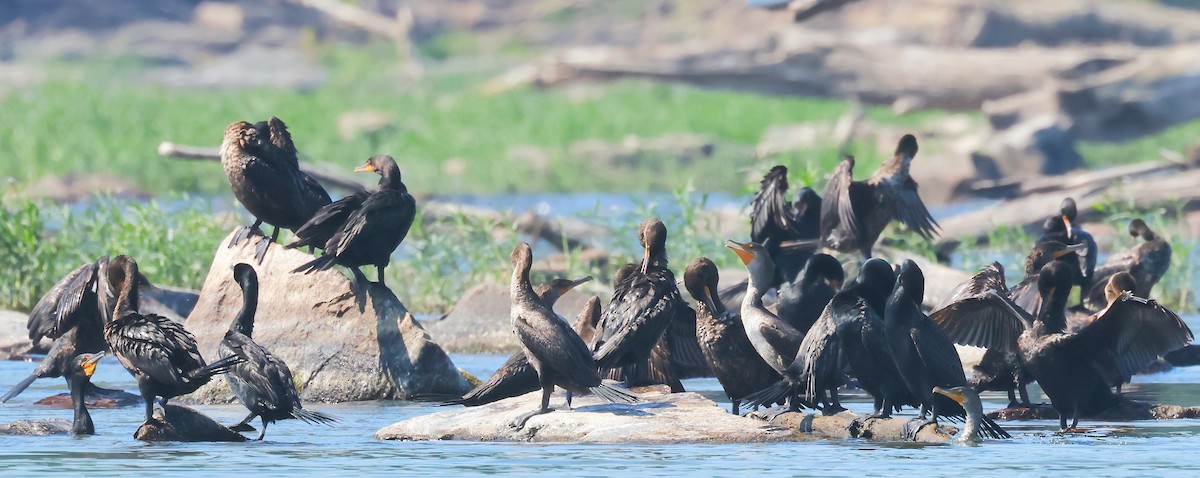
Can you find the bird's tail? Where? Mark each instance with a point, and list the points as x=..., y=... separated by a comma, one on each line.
x=312, y=417
x=775, y=393
x=440, y=399
x=219, y=367
x=319, y=264
x=992, y=429
x=19, y=387
x=613, y=394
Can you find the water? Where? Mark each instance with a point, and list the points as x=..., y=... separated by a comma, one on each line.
x=291, y=448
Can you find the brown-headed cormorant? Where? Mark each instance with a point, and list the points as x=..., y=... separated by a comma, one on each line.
x=722, y=338
x=158, y=352
x=854, y=213
x=556, y=352
x=924, y=355
x=370, y=233
x=1147, y=262
x=261, y=381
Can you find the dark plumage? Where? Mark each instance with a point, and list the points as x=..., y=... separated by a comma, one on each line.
x=774, y=221
x=260, y=162
x=370, y=232
x=722, y=338
x=801, y=301
x=516, y=377
x=924, y=355
x=1063, y=228
x=159, y=353
x=261, y=381
x=1025, y=294
x=79, y=374
x=854, y=213
x=1128, y=335
x=1147, y=262
x=556, y=352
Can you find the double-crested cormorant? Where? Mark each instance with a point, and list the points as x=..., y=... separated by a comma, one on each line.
x=261, y=381
x=1025, y=294
x=1129, y=334
x=268, y=181
x=642, y=307
x=854, y=213
x=79, y=375
x=722, y=338
x=924, y=355
x=555, y=351
x=1147, y=263
x=773, y=338
x=774, y=220
x=158, y=352
x=73, y=313
x=1063, y=228
x=969, y=400
x=311, y=191
x=801, y=301
x=370, y=232
x=516, y=377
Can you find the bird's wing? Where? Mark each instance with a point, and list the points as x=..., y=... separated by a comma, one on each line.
x=770, y=210
x=682, y=344
x=638, y=304
x=1026, y=295
x=981, y=314
x=45, y=319
x=382, y=213
x=937, y=353
x=912, y=211
x=780, y=336
x=141, y=343
x=1136, y=331
x=836, y=208
x=260, y=371
x=329, y=218
x=555, y=345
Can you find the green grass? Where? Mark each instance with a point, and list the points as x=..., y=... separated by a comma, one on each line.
x=1178, y=139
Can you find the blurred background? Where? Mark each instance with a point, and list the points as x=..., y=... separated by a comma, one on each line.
x=570, y=120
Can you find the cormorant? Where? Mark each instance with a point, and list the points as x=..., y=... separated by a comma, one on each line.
x=801, y=301
x=854, y=213
x=370, y=233
x=158, y=352
x=722, y=338
x=1148, y=262
x=774, y=220
x=311, y=190
x=260, y=380
x=267, y=182
x=555, y=351
x=1025, y=294
x=1066, y=230
x=1129, y=334
x=969, y=400
x=79, y=374
x=516, y=377
x=924, y=355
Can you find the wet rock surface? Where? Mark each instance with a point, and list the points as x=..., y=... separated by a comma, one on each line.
x=339, y=346
x=99, y=399
x=50, y=426
x=176, y=423
x=1126, y=410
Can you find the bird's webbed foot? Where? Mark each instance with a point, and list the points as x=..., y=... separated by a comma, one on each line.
x=914, y=426
x=832, y=409
x=519, y=423
x=244, y=233
x=260, y=250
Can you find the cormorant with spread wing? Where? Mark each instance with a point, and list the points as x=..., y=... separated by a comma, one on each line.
x=1147, y=262
x=774, y=220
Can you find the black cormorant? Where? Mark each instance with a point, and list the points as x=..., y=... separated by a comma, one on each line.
x=801, y=301
x=1064, y=228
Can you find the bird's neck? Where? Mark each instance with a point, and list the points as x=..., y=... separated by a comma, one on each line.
x=390, y=179
x=83, y=420
x=970, y=430
x=244, y=323
x=520, y=288
x=127, y=299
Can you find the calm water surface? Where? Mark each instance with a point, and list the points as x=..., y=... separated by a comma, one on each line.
x=291, y=448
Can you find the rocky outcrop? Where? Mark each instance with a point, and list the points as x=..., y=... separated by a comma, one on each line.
x=176, y=423
x=479, y=322
x=340, y=347
x=14, y=339
x=50, y=426
x=1126, y=410
x=842, y=425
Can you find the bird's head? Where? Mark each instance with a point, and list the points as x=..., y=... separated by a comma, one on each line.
x=652, y=234
x=700, y=279
x=754, y=256
x=86, y=363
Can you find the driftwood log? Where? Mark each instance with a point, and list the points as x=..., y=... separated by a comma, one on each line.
x=842, y=425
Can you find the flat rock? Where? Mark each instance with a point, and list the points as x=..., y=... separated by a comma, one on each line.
x=339, y=347
x=1126, y=410
x=176, y=423
x=662, y=418
x=14, y=339
x=479, y=322
x=49, y=426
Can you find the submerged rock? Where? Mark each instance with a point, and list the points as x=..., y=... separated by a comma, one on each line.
x=50, y=426
x=662, y=418
x=176, y=423
x=340, y=347
x=93, y=399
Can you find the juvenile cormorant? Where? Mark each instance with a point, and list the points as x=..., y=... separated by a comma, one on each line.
x=1129, y=334
x=969, y=400
x=722, y=338
x=267, y=182
x=311, y=190
x=1025, y=294
x=1148, y=262
x=554, y=350
x=774, y=220
x=157, y=351
x=1066, y=230
x=79, y=375
x=371, y=232
x=261, y=381
x=801, y=301
x=924, y=355
x=854, y=213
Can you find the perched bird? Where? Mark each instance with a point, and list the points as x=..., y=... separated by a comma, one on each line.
x=642, y=307
x=1025, y=293
x=1063, y=228
x=79, y=375
x=722, y=338
x=516, y=376
x=268, y=182
x=556, y=352
x=73, y=314
x=924, y=355
x=1129, y=334
x=159, y=353
x=260, y=380
x=1147, y=262
x=969, y=400
x=801, y=301
x=311, y=191
x=775, y=341
x=370, y=232
x=774, y=221
x=854, y=213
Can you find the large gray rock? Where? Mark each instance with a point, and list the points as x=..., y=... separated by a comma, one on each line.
x=14, y=338
x=479, y=322
x=663, y=418
x=176, y=423
x=339, y=347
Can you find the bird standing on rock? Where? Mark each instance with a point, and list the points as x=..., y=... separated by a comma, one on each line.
x=1147, y=262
